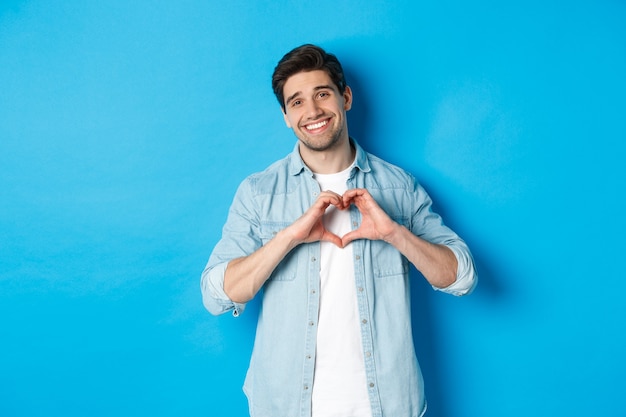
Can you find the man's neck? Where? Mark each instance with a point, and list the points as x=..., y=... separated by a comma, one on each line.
x=330, y=161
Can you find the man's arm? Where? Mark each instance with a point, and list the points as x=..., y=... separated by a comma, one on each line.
x=246, y=275
x=436, y=262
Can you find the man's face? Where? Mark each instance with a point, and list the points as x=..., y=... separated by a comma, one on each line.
x=315, y=110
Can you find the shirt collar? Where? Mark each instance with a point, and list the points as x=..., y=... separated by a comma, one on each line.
x=297, y=165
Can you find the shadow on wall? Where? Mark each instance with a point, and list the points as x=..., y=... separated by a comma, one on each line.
x=359, y=114
x=427, y=338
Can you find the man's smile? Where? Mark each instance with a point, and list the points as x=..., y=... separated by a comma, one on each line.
x=317, y=126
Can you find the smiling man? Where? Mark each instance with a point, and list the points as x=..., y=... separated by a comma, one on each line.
x=325, y=237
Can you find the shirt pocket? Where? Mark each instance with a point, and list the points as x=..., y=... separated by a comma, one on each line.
x=388, y=261
x=287, y=269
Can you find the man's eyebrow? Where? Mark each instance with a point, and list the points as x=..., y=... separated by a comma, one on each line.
x=324, y=87
x=297, y=93
x=291, y=97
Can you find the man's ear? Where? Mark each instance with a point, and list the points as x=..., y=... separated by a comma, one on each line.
x=347, y=99
x=286, y=118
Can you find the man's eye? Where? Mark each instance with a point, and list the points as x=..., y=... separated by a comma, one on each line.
x=296, y=103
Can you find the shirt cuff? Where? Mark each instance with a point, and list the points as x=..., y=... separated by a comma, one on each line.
x=466, y=278
x=213, y=295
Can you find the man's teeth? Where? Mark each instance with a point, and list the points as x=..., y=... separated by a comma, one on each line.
x=316, y=125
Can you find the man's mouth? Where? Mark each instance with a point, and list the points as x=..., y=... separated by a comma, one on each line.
x=316, y=126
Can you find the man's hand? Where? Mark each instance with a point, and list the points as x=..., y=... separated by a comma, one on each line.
x=437, y=263
x=310, y=227
x=375, y=223
x=246, y=275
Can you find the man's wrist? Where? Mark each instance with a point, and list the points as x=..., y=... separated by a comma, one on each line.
x=286, y=239
x=396, y=234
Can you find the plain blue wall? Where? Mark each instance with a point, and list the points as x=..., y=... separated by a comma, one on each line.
x=125, y=128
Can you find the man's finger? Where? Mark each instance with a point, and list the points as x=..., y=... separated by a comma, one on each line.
x=332, y=238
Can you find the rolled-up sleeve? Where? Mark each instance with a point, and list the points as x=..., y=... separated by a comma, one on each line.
x=213, y=296
x=429, y=226
x=466, y=277
x=239, y=239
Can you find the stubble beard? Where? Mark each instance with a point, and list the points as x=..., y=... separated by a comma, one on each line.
x=323, y=144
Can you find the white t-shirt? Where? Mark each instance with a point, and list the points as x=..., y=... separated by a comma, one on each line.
x=340, y=383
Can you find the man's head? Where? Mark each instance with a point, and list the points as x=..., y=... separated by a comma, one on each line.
x=311, y=89
x=306, y=58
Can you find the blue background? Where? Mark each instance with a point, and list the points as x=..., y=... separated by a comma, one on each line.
x=125, y=128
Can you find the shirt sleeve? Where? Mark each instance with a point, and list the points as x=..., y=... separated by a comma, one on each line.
x=240, y=238
x=428, y=225
x=466, y=277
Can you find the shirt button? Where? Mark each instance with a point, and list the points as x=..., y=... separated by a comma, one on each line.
x=371, y=385
x=311, y=323
x=360, y=289
x=306, y=387
x=313, y=259
x=358, y=257
x=364, y=321
x=354, y=224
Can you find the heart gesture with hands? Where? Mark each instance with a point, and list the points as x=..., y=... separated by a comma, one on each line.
x=375, y=223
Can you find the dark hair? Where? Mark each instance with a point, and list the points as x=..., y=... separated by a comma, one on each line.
x=306, y=58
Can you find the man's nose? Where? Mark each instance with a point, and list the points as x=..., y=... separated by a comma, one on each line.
x=313, y=110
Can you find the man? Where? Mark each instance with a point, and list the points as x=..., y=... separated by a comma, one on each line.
x=325, y=236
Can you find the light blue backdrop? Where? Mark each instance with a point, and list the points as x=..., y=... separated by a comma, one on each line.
x=125, y=127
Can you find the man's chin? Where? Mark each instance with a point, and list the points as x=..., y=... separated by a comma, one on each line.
x=318, y=147
x=321, y=144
